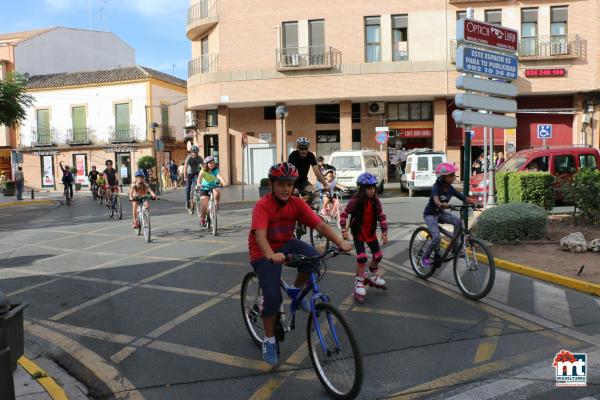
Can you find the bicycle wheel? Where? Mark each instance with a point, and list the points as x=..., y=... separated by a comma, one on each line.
x=250, y=297
x=419, y=239
x=146, y=225
x=213, y=219
x=111, y=207
x=474, y=269
x=94, y=193
x=334, y=352
x=318, y=241
x=118, y=207
x=193, y=205
x=67, y=197
x=138, y=230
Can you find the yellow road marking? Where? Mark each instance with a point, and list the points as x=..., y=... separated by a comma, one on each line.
x=49, y=385
x=412, y=315
x=266, y=391
x=88, y=332
x=487, y=347
x=27, y=203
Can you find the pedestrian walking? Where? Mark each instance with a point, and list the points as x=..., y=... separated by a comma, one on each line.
x=19, y=182
x=173, y=173
x=164, y=174
x=499, y=159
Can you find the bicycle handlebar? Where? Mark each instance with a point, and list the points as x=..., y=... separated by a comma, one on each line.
x=331, y=252
x=456, y=207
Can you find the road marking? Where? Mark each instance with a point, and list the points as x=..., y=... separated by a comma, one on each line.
x=412, y=315
x=489, y=343
x=89, y=303
x=266, y=391
x=122, y=354
x=161, y=330
x=120, y=386
x=89, y=332
x=551, y=303
x=39, y=375
x=499, y=291
x=180, y=290
x=37, y=285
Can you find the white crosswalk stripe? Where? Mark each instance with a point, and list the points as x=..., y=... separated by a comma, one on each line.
x=501, y=284
x=551, y=302
x=446, y=273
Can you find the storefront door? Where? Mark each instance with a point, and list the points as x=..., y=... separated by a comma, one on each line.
x=47, y=171
x=124, y=167
x=80, y=164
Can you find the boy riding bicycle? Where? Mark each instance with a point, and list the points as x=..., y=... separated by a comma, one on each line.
x=271, y=239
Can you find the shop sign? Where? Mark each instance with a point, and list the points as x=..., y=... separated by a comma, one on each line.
x=482, y=33
x=120, y=149
x=81, y=170
x=545, y=72
x=47, y=171
x=408, y=133
x=45, y=153
x=487, y=63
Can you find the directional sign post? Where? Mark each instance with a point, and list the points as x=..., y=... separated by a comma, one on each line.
x=544, y=131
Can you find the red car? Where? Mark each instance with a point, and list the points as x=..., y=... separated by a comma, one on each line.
x=562, y=162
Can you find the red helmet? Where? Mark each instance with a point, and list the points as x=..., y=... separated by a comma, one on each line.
x=283, y=171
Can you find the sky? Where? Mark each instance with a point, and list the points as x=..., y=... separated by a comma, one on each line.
x=154, y=28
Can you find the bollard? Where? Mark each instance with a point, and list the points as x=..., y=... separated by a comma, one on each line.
x=7, y=385
x=32, y=195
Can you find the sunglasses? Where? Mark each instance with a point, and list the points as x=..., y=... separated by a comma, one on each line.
x=303, y=148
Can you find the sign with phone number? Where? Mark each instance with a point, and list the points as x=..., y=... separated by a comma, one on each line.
x=487, y=63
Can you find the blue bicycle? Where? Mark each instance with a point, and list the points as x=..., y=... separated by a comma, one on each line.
x=334, y=352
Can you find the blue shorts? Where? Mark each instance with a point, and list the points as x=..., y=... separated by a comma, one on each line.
x=269, y=274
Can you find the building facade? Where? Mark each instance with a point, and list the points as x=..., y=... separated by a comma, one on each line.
x=343, y=70
x=62, y=50
x=83, y=119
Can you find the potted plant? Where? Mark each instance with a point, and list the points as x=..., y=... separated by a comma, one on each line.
x=77, y=184
x=146, y=163
x=265, y=187
x=9, y=188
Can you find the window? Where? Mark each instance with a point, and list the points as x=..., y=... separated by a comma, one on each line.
x=164, y=116
x=587, y=161
x=461, y=15
x=346, y=162
x=204, y=54
x=122, y=122
x=399, y=37
x=355, y=112
x=372, y=39
x=493, y=17
x=43, y=126
x=564, y=164
x=558, y=30
x=79, y=122
x=316, y=41
x=211, y=118
x=538, y=164
x=423, y=164
x=290, y=37
x=436, y=160
x=327, y=114
x=269, y=112
x=356, y=135
x=529, y=32
x=410, y=111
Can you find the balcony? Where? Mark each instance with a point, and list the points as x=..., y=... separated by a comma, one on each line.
x=203, y=64
x=167, y=134
x=42, y=137
x=79, y=136
x=542, y=48
x=126, y=134
x=201, y=17
x=313, y=57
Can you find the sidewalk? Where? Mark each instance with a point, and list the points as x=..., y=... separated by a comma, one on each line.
x=234, y=194
x=43, y=197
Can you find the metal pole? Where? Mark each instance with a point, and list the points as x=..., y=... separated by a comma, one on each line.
x=492, y=186
x=282, y=137
x=467, y=167
x=485, y=164
x=243, y=162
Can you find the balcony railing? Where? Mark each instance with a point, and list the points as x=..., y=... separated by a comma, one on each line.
x=542, y=47
x=126, y=134
x=79, y=136
x=41, y=137
x=203, y=64
x=202, y=16
x=167, y=134
x=313, y=57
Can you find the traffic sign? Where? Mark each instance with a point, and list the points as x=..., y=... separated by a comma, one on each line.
x=481, y=102
x=482, y=33
x=488, y=63
x=544, y=131
x=479, y=119
x=381, y=137
x=382, y=129
x=486, y=86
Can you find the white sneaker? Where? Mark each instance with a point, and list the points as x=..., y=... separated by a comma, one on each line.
x=359, y=289
x=374, y=279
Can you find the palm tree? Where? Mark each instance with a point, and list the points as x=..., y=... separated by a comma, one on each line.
x=13, y=100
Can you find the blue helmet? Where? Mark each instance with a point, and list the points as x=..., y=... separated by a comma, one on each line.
x=366, y=179
x=139, y=172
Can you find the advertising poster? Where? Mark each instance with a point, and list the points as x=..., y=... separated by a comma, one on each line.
x=47, y=171
x=81, y=169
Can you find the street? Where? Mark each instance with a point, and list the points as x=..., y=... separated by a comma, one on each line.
x=162, y=320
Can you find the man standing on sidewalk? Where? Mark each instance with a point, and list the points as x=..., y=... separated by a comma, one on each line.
x=19, y=182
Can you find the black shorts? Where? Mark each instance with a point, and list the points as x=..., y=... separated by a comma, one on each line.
x=304, y=186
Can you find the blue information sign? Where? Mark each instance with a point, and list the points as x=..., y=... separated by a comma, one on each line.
x=544, y=131
x=381, y=137
x=487, y=63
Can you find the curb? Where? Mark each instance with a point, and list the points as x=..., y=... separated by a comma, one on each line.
x=40, y=376
x=27, y=202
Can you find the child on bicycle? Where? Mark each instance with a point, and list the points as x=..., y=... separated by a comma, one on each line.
x=330, y=188
x=209, y=178
x=139, y=189
x=271, y=239
x=366, y=210
x=434, y=214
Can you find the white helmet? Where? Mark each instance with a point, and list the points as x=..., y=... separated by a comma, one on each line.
x=303, y=141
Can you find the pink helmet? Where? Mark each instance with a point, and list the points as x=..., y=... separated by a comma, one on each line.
x=445, y=169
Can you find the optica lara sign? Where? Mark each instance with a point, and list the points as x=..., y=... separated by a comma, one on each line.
x=482, y=33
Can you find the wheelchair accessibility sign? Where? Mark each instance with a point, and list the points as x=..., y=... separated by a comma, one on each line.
x=544, y=131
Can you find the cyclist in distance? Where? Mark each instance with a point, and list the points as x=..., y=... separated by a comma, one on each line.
x=111, y=176
x=139, y=189
x=271, y=239
x=67, y=178
x=434, y=214
x=303, y=160
x=209, y=178
x=93, y=176
x=191, y=169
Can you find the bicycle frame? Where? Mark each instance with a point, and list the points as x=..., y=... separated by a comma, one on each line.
x=454, y=237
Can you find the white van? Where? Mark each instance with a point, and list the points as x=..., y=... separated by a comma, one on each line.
x=420, y=169
x=349, y=164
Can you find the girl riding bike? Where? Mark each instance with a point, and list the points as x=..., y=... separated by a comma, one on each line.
x=330, y=188
x=209, y=178
x=271, y=239
x=139, y=189
x=434, y=214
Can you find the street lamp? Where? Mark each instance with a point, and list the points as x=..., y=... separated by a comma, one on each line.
x=282, y=113
x=154, y=126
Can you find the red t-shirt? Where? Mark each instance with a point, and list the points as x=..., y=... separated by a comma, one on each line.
x=367, y=234
x=279, y=221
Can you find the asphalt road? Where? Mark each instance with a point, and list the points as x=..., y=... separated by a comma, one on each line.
x=162, y=320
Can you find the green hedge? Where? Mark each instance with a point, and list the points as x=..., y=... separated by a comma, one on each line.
x=512, y=222
x=584, y=191
x=526, y=187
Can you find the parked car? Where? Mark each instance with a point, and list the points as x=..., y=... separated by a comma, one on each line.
x=349, y=164
x=420, y=168
x=562, y=162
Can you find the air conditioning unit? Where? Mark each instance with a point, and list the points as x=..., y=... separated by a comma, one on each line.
x=190, y=119
x=377, y=107
x=292, y=60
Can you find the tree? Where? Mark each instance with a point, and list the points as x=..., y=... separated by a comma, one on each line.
x=13, y=100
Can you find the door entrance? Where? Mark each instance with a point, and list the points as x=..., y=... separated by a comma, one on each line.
x=124, y=167
x=211, y=146
x=260, y=159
